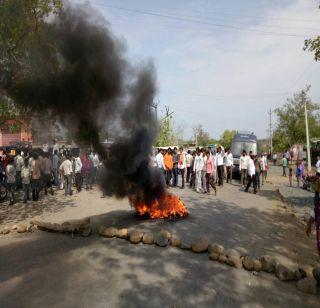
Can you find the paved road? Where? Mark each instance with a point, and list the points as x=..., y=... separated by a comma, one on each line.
x=57, y=271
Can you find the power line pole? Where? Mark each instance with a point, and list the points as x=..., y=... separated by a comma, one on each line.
x=307, y=134
x=270, y=131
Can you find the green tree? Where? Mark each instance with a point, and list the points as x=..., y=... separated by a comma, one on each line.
x=21, y=27
x=165, y=133
x=201, y=136
x=226, y=138
x=313, y=45
x=291, y=121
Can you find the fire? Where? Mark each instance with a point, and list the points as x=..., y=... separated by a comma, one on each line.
x=168, y=206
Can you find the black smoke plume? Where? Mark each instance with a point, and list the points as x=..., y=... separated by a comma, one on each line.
x=79, y=73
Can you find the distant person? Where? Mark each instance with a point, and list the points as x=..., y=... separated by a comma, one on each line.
x=96, y=164
x=168, y=163
x=315, y=214
x=251, y=175
x=46, y=170
x=11, y=179
x=256, y=161
x=274, y=158
x=192, y=173
x=229, y=166
x=175, y=158
x=26, y=178
x=55, y=167
x=263, y=168
x=243, y=166
x=78, y=172
x=220, y=155
x=160, y=162
x=66, y=171
x=209, y=172
x=18, y=164
x=204, y=171
x=182, y=164
x=188, y=165
x=318, y=164
x=284, y=163
x=36, y=175
x=197, y=169
x=298, y=172
x=290, y=177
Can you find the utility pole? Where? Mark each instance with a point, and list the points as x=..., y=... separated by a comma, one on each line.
x=270, y=131
x=307, y=134
x=155, y=106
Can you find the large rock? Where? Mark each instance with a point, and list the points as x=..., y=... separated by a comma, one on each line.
x=185, y=244
x=122, y=233
x=101, y=230
x=257, y=266
x=5, y=230
x=284, y=272
x=135, y=237
x=307, y=285
x=111, y=232
x=175, y=241
x=316, y=273
x=248, y=263
x=215, y=248
x=21, y=228
x=200, y=245
x=165, y=233
x=268, y=264
x=234, y=261
x=148, y=238
x=214, y=256
x=222, y=258
x=161, y=240
x=300, y=273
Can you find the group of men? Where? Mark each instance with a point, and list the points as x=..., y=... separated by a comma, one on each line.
x=39, y=170
x=252, y=169
x=201, y=168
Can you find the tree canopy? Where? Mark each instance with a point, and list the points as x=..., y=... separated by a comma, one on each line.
x=226, y=138
x=291, y=127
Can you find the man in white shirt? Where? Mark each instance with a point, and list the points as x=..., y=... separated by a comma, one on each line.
x=219, y=158
x=243, y=168
x=318, y=164
x=229, y=165
x=182, y=162
x=197, y=169
x=251, y=171
x=263, y=167
x=160, y=162
x=66, y=171
x=18, y=164
x=188, y=164
x=77, y=171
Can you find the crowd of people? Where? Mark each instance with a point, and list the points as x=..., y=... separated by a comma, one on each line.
x=39, y=170
x=204, y=168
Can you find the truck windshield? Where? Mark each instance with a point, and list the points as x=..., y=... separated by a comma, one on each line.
x=238, y=146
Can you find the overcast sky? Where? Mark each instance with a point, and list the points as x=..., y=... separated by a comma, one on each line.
x=222, y=64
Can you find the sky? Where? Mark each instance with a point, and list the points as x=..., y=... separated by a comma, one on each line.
x=222, y=64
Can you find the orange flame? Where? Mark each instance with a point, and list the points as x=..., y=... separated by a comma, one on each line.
x=168, y=206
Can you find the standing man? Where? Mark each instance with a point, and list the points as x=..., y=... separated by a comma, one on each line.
x=220, y=155
x=46, y=169
x=263, y=168
x=251, y=171
x=182, y=166
x=168, y=164
x=284, y=163
x=96, y=163
x=11, y=179
x=197, y=169
x=66, y=170
x=175, y=158
x=78, y=172
x=55, y=167
x=243, y=168
x=229, y=166
x=188, y=164
x=18, y=164
x=274, y=158
x=36, y=174
x=160, y=162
